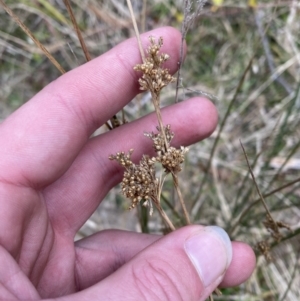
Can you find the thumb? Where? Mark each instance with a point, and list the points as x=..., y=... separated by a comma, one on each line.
x=187, y=264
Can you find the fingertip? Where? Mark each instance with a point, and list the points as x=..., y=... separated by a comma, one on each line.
x=198, y=117
x=241, y=267
x=204, y=112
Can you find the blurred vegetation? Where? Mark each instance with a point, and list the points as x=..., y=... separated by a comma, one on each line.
x=245, y=56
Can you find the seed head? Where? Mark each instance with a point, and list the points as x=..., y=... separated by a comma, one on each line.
x=154, y=77
x=171, y=158
x=139, y=182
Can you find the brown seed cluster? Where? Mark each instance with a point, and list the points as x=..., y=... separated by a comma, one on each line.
x=158, y=139
x=263, y=247
x=170, y=158
x=274, y=227
x=154, y=77
x=139, y=182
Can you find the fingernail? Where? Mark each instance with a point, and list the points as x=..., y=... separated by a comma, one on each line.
x=210, y=252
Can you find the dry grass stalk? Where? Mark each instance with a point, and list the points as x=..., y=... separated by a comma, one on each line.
x=31, y=35
x=136, y=30
x=78, y=32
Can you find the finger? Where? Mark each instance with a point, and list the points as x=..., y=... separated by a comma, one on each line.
x=41, y=139
x=111, y=249
x=77, y=194
x=187, y=264
x=14, y=285
x=101, y=254
x=241, y=267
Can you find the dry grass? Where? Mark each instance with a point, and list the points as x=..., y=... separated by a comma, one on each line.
x=249, y=60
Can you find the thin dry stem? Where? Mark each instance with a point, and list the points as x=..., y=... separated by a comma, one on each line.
x=256, y=185
x=157, y=204
x=144, y=15
x=177, y=188
x=164, y=216
x=30, y=34
x=78, y=32
x=136, y=30
x=155, y=100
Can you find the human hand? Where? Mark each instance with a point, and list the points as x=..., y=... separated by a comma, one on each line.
x=53, y=176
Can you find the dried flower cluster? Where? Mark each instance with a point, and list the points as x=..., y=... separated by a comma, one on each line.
x=170, y=158
x=263, y=247
x=154, y=77
x=139, y=180
x=159, y=144
x=274, y=227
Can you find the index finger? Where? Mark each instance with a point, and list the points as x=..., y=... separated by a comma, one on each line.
x=41, y=139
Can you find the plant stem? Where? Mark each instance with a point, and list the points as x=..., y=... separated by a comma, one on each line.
x=164, y=215
x=171, y=207
x=176, y=185
x=78, y=32
x=257, y=188
x=156, y=101
x=136, y=30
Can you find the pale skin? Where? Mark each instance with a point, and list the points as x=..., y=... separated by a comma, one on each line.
x=53, y=176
